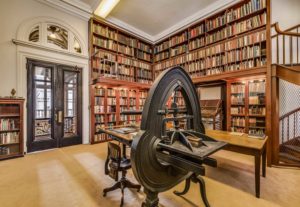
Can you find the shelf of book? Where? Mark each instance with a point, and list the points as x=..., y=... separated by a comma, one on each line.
x=11, y=128
x=107, y=103
x=119, y=55
x=246, y=106
x=237, y=34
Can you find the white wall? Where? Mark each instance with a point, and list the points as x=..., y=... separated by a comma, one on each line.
x=12, y=14
x=285, y=12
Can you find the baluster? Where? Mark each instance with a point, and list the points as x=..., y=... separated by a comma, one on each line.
x=283, y=48
x=288, y=128
x=297, y=46
x=291, y=51
x=282, y=131
x=277, y=48
x=295, y=125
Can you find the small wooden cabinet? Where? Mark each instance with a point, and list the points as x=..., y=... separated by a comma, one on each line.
x=246, y=101
x=11, y=127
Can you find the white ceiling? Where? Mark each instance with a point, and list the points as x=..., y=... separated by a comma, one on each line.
x=156, y=19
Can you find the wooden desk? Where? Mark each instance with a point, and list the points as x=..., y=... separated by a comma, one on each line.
x=245, y=145
x=240, y=144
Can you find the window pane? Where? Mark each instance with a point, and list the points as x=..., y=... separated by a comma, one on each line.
x=57, y=36
x=42, y=73
x=34, y=34
x=70, y=103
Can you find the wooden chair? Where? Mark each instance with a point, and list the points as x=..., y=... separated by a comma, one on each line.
x=113, y=165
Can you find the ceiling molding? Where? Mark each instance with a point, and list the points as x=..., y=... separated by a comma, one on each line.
x=130, y=29
x=73, y=7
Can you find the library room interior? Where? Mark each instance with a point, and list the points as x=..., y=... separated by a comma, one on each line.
x=161, y=103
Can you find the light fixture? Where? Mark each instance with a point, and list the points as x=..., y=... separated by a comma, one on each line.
x=105, y=7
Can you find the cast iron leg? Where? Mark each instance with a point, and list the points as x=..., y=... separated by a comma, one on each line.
x=186, y=188
x=114, y=187
x=151, y=199
x=129, y=184
x=203, y=190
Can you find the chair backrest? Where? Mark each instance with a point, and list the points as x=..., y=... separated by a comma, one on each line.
x=113, y=160
x=114, y=152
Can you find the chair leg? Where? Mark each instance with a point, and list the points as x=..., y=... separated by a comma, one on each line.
x=186, y=188
x=114, y=187
x=122, y=190
x=129, y=184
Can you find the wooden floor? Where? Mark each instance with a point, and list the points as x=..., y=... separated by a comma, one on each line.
x=74, y=177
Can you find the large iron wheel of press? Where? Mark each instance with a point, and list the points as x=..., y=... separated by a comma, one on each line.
x=152, y=174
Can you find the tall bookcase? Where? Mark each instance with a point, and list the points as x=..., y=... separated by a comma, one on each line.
x=234, y=39
x=11, y=128
x=246, y=111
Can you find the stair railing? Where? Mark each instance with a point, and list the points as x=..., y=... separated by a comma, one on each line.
x=286, y=45
x=289, y=126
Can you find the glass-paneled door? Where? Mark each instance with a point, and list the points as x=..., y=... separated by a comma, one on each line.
x=54, y=106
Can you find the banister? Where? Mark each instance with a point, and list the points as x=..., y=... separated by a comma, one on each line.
x=286, y=32
x=290, y=74
x=288, y=114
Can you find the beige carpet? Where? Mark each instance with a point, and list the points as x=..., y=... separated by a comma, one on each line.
x=74, y=177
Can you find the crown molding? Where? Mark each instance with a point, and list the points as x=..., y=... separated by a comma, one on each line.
x=73, y=7
x=130, y=29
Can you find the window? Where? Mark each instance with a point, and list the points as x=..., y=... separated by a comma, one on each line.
x=34, y=34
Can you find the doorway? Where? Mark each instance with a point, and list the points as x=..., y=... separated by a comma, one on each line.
x=54, y=105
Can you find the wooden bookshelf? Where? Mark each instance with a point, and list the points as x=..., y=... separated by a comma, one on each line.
x=107, y=103
x=234, y=39
x=246, y=110
x=118, y=55
x=11, y=128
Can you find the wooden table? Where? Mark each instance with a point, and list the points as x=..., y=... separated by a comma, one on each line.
x=248, y=146
x=240, y=144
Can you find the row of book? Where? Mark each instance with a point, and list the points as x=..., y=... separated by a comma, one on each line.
x=237, y=129
x=111, y=101
x=125, y=70
x=111, y=34
x=246, y=40
x=132, y=101
x=178, y=39
x=126, y=50
x=144, y=74
x=106, y=44
x=256, y=110
x=143, y=94
x=144, y=56
x=7, y=138
x=99, y=101
x=257, y=86
x=123, y=101
x=197, y=43
x=111, y=92
x=105, y=31
x=238, y=122
x=99, y=109
x=246, y=9
x=237, y=110
x=238, y=88
x=111, y=118
x=161, y=47
x=257, y=122
x=196, y=31
x=161, y=56
x=9, y=124
x=216, y=22
x=99, y=119
x=237, y=100
x=99, y=91
x=111, y=108
x=257, y=100
x=178, y=50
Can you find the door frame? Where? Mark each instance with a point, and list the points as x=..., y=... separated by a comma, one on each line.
x=56, y=141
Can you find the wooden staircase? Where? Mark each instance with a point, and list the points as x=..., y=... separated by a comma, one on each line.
x=286, y=66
